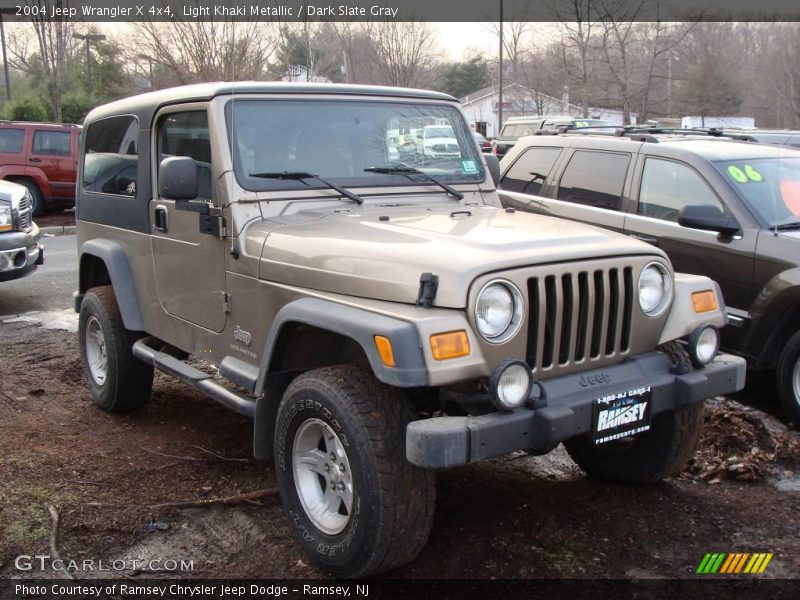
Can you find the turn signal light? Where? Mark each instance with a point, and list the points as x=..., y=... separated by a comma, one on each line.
x=704, y=301
x=452, y=344
x=384, y=346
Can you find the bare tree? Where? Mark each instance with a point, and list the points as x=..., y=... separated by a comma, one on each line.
x=404, y=51
x=194, y=51
x=577, y=25
x=54, y=40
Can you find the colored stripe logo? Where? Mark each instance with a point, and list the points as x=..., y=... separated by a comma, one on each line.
x=734, y=563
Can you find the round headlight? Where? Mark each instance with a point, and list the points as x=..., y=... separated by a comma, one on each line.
x=703, y=345
x=511, y=384
x=655, y=289
x=498, y=311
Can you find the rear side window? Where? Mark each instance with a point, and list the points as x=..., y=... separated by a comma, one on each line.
x=667, y=186
x=595, y=179
x=51, y=143
x=111, y=156
x=530, y=170
x=11, y=140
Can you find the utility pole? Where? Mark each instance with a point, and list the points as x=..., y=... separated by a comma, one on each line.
x=500, y=76
x=150, y=60
x=89, y=38
x=5, y=55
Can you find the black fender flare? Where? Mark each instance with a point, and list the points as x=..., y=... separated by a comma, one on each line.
x=116, y=260
x=358, y=324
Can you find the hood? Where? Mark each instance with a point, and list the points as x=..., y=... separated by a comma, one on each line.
x=362, y=253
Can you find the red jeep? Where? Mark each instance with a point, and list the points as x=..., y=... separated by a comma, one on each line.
x=43, y=157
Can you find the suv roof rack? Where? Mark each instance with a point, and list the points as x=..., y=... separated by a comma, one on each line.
x=37, y=123
x=642, y=133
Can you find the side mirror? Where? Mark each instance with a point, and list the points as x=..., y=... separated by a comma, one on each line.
x=178, y=178
x=493, y=164
x=709, y=217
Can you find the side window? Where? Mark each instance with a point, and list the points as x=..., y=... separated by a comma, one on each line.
x=11, y=140
x=530, y=170
x=110, y=159
x=186, y=134
x=595, y=179
x=51, y=143
x=668, y=185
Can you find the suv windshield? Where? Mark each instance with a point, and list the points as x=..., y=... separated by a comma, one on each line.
x=439, y=132
x=344, y=140
x=769, y=186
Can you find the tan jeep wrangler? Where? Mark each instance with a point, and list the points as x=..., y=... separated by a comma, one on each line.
x=372, y=307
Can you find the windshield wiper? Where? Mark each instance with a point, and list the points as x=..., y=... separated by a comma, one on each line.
x=786, y=226
x=303, y=175
x=409, y=171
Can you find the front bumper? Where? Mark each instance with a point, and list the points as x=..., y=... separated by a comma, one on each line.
x=20, y=253
x=443, y=442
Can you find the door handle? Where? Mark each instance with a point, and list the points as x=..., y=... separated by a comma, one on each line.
x=645, y=238
x=161, y=219
x=35, y=160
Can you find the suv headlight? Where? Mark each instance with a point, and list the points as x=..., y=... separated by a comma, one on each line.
x=655, y=289
x=6, y=220
x=498, y=311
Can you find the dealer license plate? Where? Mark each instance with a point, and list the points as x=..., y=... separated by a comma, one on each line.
x=621, y=415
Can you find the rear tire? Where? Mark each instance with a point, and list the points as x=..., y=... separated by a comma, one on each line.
x=787, y=378
x=646, y=458
x=117, y=380
x=356, y=505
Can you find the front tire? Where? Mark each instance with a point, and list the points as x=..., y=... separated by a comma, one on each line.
x=787, y=378
x=117, y=380
x=649, y=457
x=356, y=505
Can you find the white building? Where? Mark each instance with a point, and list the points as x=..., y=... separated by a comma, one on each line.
x=481, y=107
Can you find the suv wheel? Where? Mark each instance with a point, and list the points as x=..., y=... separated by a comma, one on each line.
x=355, y=503
x=38, y=205
x=788, y=377
x=118, y=381
x=646, y=458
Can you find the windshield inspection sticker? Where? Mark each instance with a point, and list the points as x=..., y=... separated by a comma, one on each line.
x=469, y=166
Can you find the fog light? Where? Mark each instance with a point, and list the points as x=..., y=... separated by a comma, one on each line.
x=510, y=384
x=703, y=345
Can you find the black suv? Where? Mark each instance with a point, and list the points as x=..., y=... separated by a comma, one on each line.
x=718, y=207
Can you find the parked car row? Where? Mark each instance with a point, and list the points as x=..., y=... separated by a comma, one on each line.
x=718, y=207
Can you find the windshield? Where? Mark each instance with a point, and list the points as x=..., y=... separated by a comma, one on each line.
x=769, y=186
x=339, y=139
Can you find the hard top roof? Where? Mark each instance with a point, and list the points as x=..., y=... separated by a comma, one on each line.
x=144, y=105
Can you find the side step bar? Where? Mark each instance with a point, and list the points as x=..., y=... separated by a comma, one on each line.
x=200, y=381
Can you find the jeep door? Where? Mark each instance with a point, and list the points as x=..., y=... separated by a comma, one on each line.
x=189, y=264
x=53, y=155
x=663, y=186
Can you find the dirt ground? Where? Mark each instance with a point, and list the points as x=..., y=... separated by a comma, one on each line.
x=56, y=219
x=512, y=517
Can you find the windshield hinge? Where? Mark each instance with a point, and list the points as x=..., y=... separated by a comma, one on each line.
x=428, y=285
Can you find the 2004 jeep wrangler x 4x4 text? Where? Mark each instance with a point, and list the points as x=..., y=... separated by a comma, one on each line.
x=377, y=314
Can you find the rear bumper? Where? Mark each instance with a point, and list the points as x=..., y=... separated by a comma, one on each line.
x=444, y=442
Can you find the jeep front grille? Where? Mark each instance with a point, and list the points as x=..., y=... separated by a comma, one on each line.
x=579, y=316
x=24, y=219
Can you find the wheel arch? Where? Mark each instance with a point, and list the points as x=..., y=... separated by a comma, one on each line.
x=104, y=262
x=311, y=333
